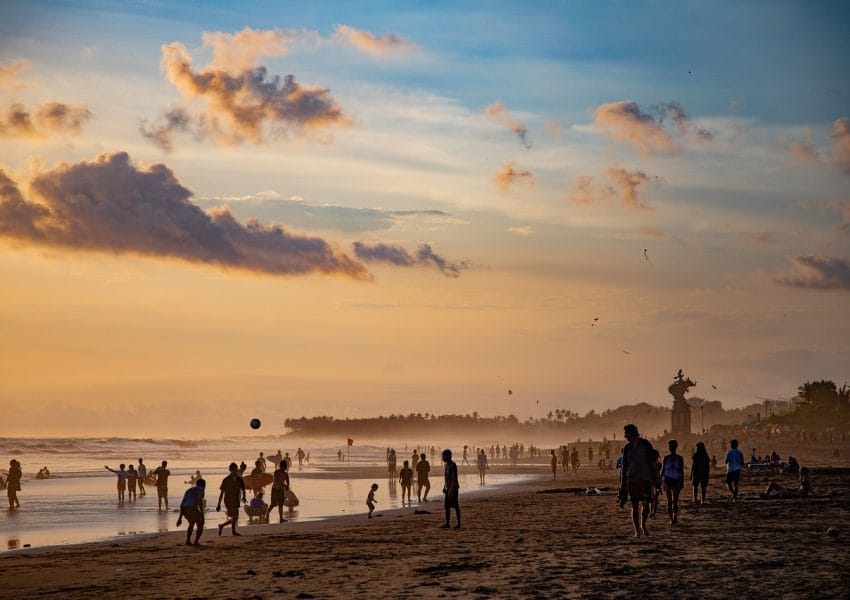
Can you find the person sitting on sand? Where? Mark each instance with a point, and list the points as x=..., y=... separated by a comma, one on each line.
x=143, y=473
x=162, y=474
x=638, y=477
x=231, y=488
x=673, y=472
x=423, y=483
x=192, y=508
x=122, y=481
x=370, y=499
x=405, y=477
x=700, y=470
x=258, y=504
x=451, y=489
x=132, y=480
x=780, y=492
x=13, y=484
x=279, y=487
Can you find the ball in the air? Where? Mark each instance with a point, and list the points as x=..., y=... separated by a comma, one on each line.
x=832, y=532
x=255, y=423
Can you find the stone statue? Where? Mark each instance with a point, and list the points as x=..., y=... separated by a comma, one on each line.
x=680, y=418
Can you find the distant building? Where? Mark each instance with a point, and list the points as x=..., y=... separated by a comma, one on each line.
x=680, y=419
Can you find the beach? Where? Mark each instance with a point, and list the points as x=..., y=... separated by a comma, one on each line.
x=532, y=539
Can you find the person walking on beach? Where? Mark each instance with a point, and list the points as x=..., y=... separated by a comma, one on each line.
x=232, y=487
x=700, y=470
x=279, y=487
x=122, y=481
x=405, y=477
x=192, y=508
x=261, y=462
x=734, y=465
x=423, y=468
x=143, y=473
x=132, y=480
x=451, y=489
x=638, y=477
x=370, y=499
x=554, y=462
x=391, y=464
x=482, y=464
x=162, y=474
x=673, y=472
x=300, y=456
x=465, y=460
x=565, y=459
x=13, y=484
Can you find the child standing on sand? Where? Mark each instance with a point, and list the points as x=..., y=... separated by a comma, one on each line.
x=405, y=476
x=370, y=499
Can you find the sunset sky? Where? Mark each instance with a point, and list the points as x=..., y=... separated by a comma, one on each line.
x=217, y=211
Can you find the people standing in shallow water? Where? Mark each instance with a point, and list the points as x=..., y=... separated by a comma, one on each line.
x=279, y=487
x=13, y=484
x=700, y=470
x=423, y=482
x=638, y=477
x=192, y=508
x=482, y=464
x=391, y=462
x=465, y=460
x=132, y=480
x=405, y=477
x=673, y=472
x=451, y=489
x=370, y=499
x=162, y=474
x=232, y=487
x=143, y=473
x=734, y=466
x=122, y=481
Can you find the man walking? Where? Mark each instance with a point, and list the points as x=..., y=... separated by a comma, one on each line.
x=638, y=477
x=734, y=465
x=451, y=489
x=423, y=468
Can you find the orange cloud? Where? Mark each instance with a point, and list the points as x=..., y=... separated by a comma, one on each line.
x=42, y=120
x=840, y=137
x=625, y=121
x=509, y=175
x=626, y=185
x=498, y=112
x=817, y=272
x=239, y=103
x=110, y=205
x=581, y=192
x=9, y=70
x=377, y=45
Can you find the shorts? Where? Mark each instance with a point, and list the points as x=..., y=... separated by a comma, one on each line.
x=640, y=491
x=232, y=510
x=733, y=477
x=277, y=497
x=423, y=481
x=162, y=492
x=701, y=482
x=674, y=483
x=193, y=514
x=452, y=500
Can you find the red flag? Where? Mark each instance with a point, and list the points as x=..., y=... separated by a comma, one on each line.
x=350, y=442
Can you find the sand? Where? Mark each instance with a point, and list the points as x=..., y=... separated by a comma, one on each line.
x=516, y=543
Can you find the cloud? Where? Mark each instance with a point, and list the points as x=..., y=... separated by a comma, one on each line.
x=42, y=120
x=499, y=113
x=581, y=191
x=817, y=272
x=377, y=45
x=804, y=152
x=626, y=185
x=840, y=137
x=236, y=101
x=509, y=175
x=524, y=230
x=9, y=70
x=110, y=205
x=648, y=131
x=399, y=257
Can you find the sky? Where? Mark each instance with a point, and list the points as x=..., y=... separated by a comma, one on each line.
x=211, y=212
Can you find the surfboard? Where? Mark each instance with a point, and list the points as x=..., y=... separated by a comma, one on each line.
x=290, y=500
x=255, y=482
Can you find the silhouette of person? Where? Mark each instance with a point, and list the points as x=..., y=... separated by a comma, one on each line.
x=554, y=462
x=261, y=462
x=370, y=499
x=13, y=484
x=734, y=466
x=231, y=488
x=192, y=509
x=451, y=489
x=700, y=470
x=162, y=474
x=423, y=468
x=279, y=487
x=405, y=477
x=673, y=473
x=482, y=464
x=638, y=477
x=143, y=473
x=122, y=481
x=132, y=480
x=300, y=456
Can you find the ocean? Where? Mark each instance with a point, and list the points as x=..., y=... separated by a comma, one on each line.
x=79, y=503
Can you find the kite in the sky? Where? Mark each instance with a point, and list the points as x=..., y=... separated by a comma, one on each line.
x=713, y=386
x=627, y=352
x=510, y=392
x=646, y=256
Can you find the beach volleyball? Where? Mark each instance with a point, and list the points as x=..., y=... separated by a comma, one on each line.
x=255, y=423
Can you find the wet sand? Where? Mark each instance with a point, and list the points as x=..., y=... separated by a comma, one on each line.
x=516, y=543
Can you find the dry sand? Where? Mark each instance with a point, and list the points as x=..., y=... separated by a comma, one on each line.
x=516, y=543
